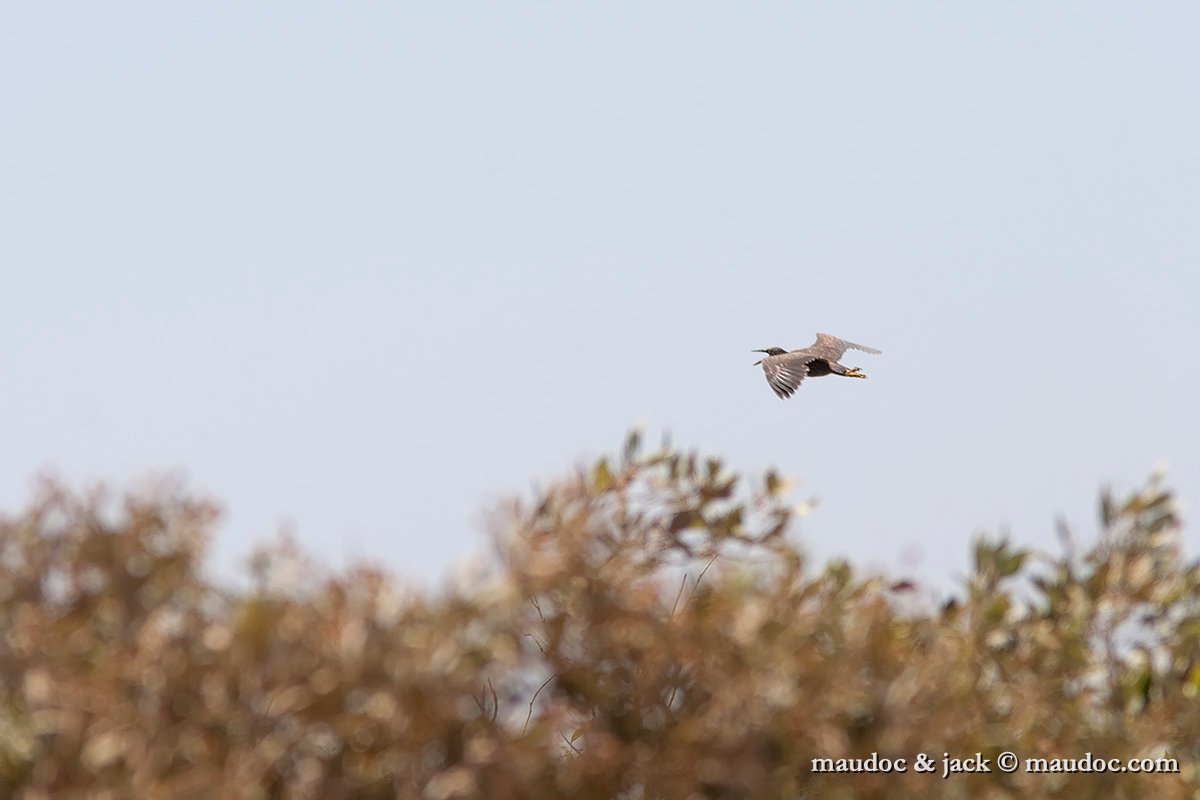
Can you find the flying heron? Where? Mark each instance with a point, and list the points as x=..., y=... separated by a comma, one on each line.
x=786, y=370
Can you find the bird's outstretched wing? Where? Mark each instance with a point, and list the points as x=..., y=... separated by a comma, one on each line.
x=784, y=373
x=833, y=348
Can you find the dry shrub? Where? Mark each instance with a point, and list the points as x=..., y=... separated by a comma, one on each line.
x=648, y=630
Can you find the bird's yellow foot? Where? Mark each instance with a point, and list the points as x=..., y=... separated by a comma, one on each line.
x=855, y=373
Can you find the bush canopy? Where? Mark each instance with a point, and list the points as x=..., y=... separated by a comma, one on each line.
x=647, y=628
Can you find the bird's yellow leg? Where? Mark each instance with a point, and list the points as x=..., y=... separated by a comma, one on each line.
x=855, y=373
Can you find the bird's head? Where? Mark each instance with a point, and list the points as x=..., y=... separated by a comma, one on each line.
x=770, y=351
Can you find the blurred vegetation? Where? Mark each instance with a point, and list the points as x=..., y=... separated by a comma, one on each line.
x=648, y=630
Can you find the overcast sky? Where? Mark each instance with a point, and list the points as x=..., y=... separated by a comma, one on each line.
x=368, y=267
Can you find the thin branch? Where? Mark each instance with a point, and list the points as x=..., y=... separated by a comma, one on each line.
x=691, y=594
x=679, y=594
x=481, y=703
x=540, y=646
x=701, y=575
x=533, y=700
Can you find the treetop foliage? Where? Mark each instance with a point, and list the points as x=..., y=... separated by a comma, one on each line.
x=647, y=629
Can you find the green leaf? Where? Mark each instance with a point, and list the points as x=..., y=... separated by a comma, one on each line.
x=1012, y=563
x=633, y=444
x=601, y=477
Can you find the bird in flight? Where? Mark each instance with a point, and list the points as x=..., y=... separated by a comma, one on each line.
x=785, y=370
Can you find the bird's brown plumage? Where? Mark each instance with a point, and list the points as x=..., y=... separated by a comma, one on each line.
x=785, y=371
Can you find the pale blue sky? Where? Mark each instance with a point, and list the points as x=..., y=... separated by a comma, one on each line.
x=367, y=267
